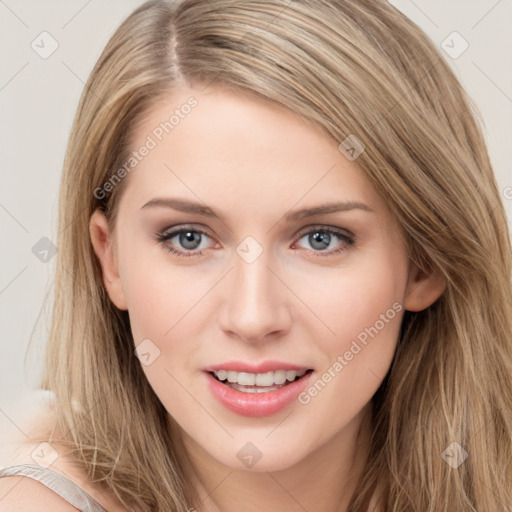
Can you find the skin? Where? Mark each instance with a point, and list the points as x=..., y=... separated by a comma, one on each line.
x=255, y=162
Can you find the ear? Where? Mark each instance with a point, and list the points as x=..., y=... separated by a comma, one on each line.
x=105, y=251
x=423, y=288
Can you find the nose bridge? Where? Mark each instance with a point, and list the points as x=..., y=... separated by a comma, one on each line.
x=255, y=304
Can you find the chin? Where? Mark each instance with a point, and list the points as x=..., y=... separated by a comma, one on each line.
x=258, y=460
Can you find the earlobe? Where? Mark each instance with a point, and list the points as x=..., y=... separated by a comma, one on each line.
x=104, y=249
x=423, y=288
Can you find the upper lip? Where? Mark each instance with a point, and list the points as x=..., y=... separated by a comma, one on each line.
x=263, y=367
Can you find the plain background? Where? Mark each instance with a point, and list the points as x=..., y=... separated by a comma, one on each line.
x=38, y=98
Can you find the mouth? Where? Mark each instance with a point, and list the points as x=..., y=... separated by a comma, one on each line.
x=258, y=382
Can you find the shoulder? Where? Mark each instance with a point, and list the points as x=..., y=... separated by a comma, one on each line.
x=23, y=494
x=41, y=446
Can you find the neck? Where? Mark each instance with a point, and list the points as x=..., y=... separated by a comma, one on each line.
x=324, y=480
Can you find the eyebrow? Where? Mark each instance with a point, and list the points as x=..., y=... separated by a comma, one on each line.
x=206, y=211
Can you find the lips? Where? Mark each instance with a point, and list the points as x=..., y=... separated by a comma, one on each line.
x=251, y=399
x=263, y=367
x=258, y=379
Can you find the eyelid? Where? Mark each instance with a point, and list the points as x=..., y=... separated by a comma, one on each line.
x=170, y=232
x=324, y=227
x=177, y=228
x=345, y=237
x=173, y=230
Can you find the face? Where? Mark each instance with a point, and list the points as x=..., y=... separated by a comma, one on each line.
x=226, y=262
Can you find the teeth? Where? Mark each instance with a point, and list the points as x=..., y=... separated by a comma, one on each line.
x=280, y=376
x=232, y=376
x=222, y=374
x=291, y=374
x=246, y=379
x=264, y=379
x=259, y=379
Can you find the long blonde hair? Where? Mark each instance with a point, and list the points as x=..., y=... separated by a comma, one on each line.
x=353, y=67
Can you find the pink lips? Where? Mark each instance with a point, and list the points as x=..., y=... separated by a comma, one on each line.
x=263, y=367
x=256, y=404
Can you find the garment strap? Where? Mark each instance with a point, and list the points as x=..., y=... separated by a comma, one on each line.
x=58, y=483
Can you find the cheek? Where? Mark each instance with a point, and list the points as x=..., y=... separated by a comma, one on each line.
x=359, y=297
x=159, y=295
x=365, y=313
x=161, y=299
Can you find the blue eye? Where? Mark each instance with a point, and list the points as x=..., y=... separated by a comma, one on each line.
x=319, y=238
x=188, y=238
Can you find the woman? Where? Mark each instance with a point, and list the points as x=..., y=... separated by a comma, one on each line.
x=284, y=275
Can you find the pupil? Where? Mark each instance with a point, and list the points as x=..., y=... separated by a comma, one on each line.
x=188, y=238
x=322, y=238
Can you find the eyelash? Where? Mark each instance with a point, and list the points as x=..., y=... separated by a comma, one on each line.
x=346, y=240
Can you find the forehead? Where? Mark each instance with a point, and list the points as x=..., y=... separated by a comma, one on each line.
x=230, y=147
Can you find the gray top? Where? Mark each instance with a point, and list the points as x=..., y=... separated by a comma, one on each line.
x=58, y=483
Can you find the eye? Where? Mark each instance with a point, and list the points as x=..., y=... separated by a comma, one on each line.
x=321, y=237
x=187, y=238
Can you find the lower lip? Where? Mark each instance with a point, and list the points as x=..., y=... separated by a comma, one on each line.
x=257, y=404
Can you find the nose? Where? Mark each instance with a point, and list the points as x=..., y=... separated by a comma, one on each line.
x=256, y=304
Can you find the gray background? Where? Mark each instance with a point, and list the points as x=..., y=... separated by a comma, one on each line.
x=38, y=98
